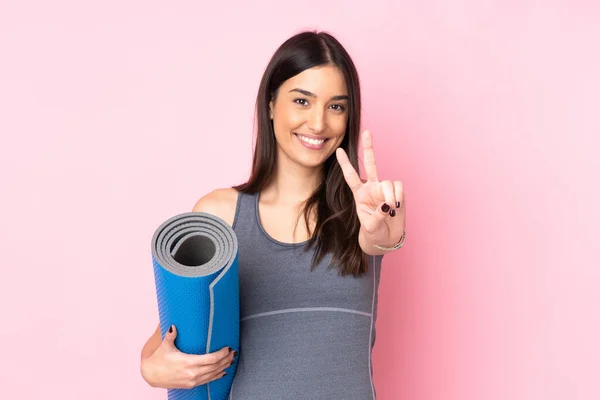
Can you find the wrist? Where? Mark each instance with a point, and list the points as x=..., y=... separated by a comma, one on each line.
x=395, y=246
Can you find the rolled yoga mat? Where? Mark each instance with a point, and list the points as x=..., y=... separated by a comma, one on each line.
x=195, y=257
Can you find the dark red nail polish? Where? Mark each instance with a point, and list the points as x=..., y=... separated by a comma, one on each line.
x=385, y=207
x=232, y=361
x=393, y=213
x=235, y=353
x=397, y=204
x=171, y=329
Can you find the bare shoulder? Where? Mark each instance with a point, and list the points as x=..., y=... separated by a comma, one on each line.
x=219, y=202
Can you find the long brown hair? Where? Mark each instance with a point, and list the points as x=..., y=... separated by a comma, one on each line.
x=337, y=225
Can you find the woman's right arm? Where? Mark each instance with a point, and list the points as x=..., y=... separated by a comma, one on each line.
x=162, y=364
x=152, y=344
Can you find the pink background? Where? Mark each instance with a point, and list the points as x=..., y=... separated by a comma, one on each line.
x=119, y=114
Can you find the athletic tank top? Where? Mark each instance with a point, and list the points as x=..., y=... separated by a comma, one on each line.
x=303, y=334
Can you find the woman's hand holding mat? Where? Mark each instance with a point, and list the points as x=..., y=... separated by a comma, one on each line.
x=169, y=368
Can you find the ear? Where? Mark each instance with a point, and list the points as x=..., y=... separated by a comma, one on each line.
x=271, y=109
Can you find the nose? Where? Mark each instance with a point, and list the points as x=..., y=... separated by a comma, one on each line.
x=316, y=120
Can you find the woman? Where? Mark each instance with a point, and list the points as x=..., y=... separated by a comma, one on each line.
x=311, y=238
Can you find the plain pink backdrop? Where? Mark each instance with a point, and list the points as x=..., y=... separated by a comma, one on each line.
x=116, y=115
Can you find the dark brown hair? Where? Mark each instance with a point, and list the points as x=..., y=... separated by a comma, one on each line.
x=337, y=224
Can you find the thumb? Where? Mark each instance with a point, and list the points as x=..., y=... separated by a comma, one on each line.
x=170, y=336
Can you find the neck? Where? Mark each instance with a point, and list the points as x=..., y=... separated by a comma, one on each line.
x=292, y=183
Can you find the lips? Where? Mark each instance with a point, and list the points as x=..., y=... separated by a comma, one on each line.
x=311, y=142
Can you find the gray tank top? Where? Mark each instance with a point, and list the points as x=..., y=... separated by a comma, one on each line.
x=303, y=334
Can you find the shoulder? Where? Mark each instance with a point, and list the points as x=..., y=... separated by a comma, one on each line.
x=219, y=202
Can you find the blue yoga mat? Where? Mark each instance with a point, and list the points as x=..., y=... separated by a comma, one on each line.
x=195, y=257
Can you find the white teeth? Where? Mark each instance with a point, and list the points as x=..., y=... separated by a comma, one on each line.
x=312, y=141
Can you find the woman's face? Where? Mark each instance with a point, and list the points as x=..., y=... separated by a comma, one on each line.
x=309, y=115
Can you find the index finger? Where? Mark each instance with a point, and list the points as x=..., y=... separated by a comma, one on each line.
x=211, y=358
x=350, y=174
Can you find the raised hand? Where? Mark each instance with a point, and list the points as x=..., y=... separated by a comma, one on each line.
x=379, y=204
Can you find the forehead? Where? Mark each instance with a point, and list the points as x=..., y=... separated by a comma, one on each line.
x=323, y=81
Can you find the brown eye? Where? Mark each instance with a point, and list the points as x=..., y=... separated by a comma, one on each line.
x=338, y=107
x=302, y=102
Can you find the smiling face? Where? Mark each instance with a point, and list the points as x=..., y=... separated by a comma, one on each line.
x=310, y=114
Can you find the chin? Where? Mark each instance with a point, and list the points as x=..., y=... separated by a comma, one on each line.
x=311, y=162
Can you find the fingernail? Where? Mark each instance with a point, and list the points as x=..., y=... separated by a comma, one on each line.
x=385, y=207
x=171, y=329
x=393, y=213
x=397, y=204
x=229, y=348
x=224, y=373
x=235, y=353
x=232, y=361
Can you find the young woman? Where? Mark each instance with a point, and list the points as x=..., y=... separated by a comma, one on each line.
x=311, y=235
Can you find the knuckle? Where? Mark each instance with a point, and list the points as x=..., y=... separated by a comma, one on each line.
x=190, y=384
x=190, y=374
x=205, y=359
x=188, y=362
x=191, y=380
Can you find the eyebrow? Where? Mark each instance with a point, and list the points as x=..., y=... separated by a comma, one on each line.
x=309, y=94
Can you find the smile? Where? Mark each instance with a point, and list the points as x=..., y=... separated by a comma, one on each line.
x=311, y=142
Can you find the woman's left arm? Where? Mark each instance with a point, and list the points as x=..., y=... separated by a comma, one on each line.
x=380, y=205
